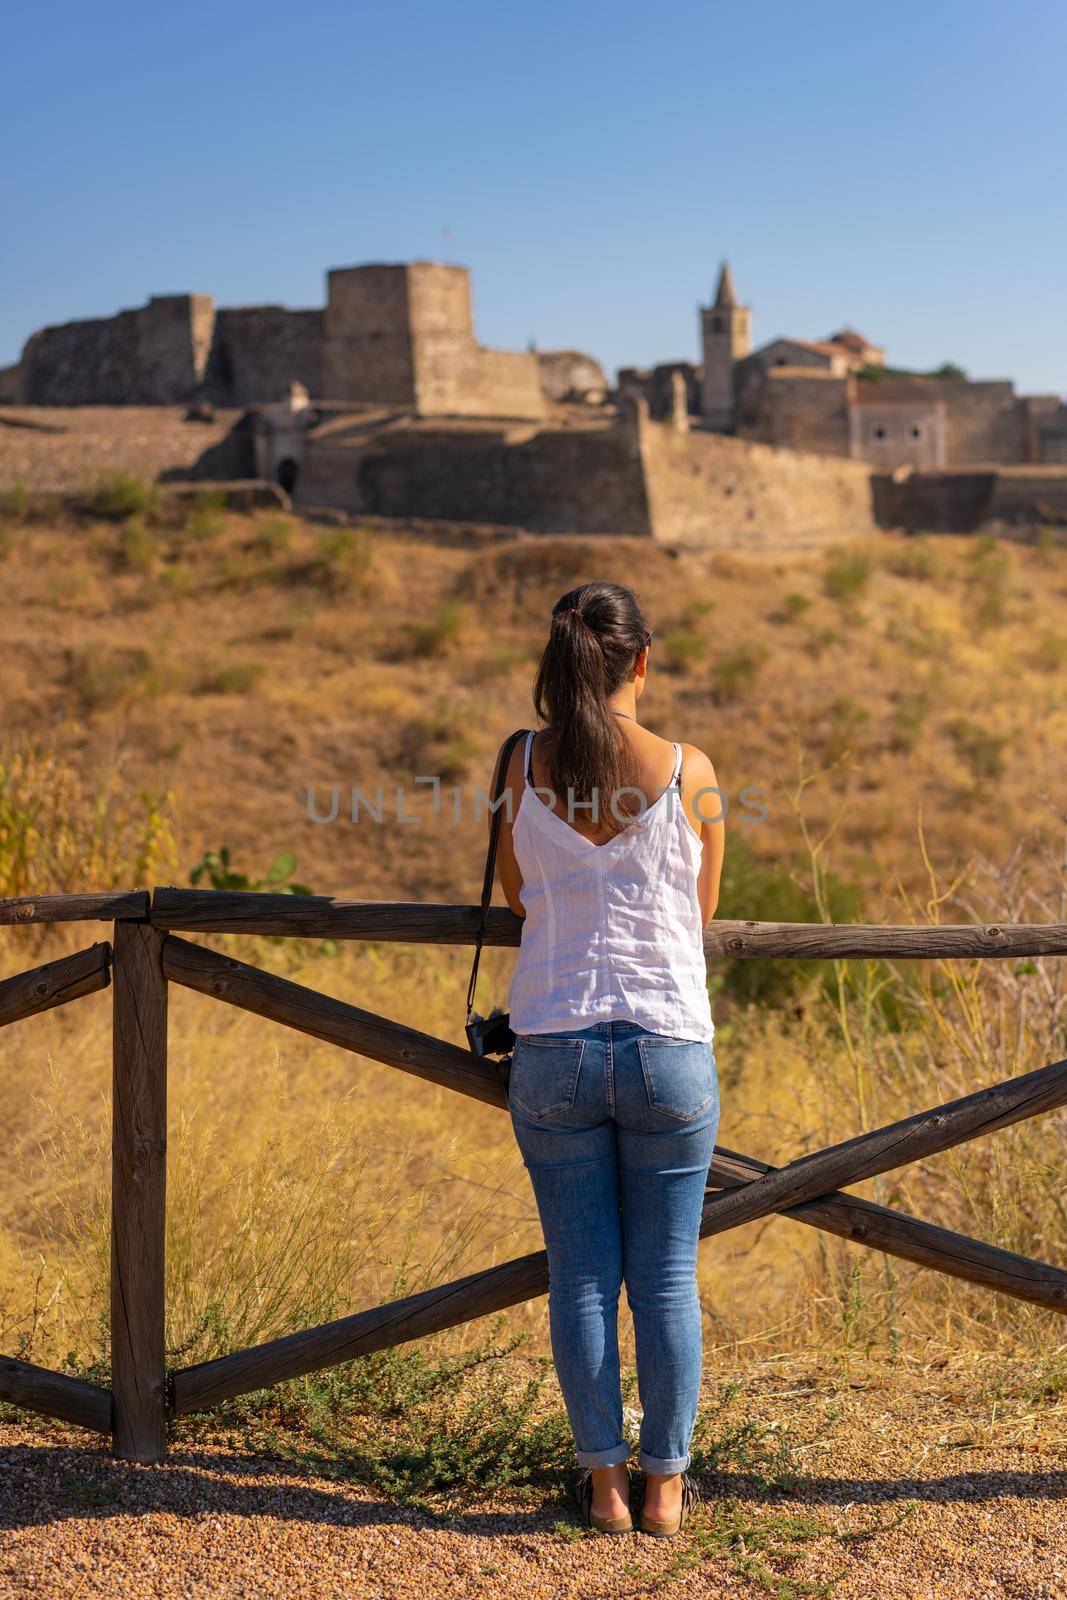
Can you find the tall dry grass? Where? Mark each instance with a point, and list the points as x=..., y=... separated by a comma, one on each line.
x=305, y=1182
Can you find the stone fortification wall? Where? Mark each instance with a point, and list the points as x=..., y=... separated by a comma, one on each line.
x=711, y=490
x=632, y=477
x=549, y=480
x=155, y=355
x=801, y=408
x=61, y=450
x=259, y=351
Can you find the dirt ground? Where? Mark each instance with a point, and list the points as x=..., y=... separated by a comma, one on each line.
x=889, y=1483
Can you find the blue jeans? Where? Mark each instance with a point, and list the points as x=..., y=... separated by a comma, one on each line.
x=616, y=1126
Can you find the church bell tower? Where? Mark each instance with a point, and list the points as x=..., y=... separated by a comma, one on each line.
x=726, y=336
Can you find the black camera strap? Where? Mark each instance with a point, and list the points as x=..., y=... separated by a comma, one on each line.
x=490, y=860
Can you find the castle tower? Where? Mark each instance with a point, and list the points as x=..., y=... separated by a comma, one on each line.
x=726, y=335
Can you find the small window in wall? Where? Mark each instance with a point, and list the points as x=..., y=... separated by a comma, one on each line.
x=879, y=433
x=287, y=474
x=781, y=362
x=916, y=433
x=717, y=325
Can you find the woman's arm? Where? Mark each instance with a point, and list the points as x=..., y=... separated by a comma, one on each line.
x=507, y=868
x=705, y=808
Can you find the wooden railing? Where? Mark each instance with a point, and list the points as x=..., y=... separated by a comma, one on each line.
x=146, y=956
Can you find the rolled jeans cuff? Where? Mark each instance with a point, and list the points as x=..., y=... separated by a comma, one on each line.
x=614, y=1457
x=663, y=1466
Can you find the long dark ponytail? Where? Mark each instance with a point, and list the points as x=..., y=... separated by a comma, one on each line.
x=597, y=633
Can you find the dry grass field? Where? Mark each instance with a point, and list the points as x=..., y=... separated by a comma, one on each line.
x=172, y=685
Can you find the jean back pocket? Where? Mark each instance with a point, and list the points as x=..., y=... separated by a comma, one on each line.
x=680, y=1077
x=544, y=1074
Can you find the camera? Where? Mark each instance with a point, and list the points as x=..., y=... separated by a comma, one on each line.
x=491, y=1035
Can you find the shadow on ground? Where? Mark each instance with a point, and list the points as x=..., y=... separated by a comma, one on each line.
x=43, y=1485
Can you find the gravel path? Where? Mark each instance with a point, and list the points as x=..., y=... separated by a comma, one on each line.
x=894, y=1483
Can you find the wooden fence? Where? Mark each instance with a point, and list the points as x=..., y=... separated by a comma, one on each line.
x=146, y=955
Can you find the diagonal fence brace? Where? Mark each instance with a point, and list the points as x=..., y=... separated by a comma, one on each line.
x=380, y=1039
x=27, y=994
x=925, y=1134
x=806, y=1180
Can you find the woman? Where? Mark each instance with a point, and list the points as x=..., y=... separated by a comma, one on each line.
x=611, y=848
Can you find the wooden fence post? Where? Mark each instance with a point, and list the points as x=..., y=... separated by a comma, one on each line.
x=138, y=1193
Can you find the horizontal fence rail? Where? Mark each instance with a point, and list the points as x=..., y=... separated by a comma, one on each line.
x=416, y=922
x=29, y=909
x=146, y=957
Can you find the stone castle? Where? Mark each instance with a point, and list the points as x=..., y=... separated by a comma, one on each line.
x=384, y=402
x=837, y=397
x=388, y=335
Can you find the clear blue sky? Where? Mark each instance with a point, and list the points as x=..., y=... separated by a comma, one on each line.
x=898, y=167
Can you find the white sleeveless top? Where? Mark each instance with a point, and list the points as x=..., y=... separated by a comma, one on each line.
x=612, y=932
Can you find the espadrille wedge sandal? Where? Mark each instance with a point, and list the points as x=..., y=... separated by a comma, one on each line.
x=661, y=1529
x=583, y=1494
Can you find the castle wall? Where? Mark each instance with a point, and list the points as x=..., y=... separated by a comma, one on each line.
x=899, y=433
x=1032, y=496
x=801, y=409
x=967, y=501
x=259, y=351
x=1052, y=441
x=657, y=386
x=714, y=491
x=1046, y=427
x=549, y=481
x=933, y=502
x=984, y=422
x=66, y=448
x=461, y=379
x=155, y=355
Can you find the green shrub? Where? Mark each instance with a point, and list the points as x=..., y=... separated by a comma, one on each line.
x=909, y=714
x=914, y=559
x=1050, y=653
x=273, y=534
x=176, y=577
x=216, y=867
x=847, y=718
x=236, y=677
x=846, y=575
x=441, y=741
x=137, y=546
x=759, y=891
x=682, y=650
x=736, y=673
x=108, y=678
x=118, y=495
x=15, y=503
x=207, y=517
x=988, y=580
x=435, y=636
x=342, y=562
x=982, y=751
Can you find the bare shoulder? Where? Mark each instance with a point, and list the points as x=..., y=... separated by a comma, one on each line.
x=697, y=769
